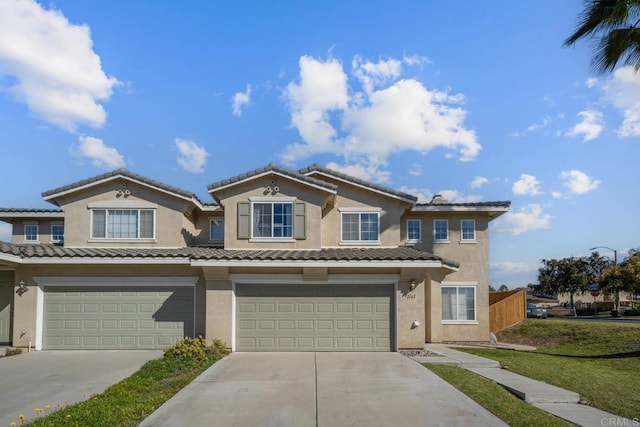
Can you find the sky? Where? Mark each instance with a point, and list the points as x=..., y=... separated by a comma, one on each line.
x=476, y=101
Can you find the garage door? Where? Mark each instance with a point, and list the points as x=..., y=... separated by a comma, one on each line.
x=304, y=317
x=116, y=317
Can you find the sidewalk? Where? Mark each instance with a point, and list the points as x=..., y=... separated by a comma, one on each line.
x=555, y=400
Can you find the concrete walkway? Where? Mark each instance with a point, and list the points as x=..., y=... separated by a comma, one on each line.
x=555, y=400
x=320, y=389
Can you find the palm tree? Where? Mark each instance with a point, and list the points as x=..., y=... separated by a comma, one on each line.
x=616, y=24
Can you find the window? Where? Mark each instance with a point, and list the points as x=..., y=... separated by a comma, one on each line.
x=468, y=230
x=216, y=229
x=413, y=230
x=123, y=224
x=441, y=230
x=458, y=303
x=360, y=227
x=273, y=220
x=31, y=233
x=57, y=233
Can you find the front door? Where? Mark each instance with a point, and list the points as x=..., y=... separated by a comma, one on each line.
x=6, y=302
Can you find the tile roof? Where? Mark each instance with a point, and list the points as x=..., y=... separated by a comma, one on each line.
x=402, y=253
x=30, y=210
x=317, y=168
x=271, y=167
x=498, y=204
x=124, y=173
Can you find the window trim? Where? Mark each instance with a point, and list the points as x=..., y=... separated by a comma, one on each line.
x=270, y=200
x=359, y=211
x=92, y=238
x=211, y=221
x=51, y=234
x=445, y=240
x=24, y=232
x=458, y=285
x=462, y=239
x=419, y=239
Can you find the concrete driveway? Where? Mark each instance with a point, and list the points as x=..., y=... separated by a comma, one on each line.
x=61, y=377
x=320, y=389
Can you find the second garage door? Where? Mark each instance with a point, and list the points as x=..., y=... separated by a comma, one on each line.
x=116, y=317
x=304, y=317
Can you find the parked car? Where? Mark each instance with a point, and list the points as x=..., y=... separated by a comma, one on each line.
x=536, y=312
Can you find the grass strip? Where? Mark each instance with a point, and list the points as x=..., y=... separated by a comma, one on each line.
x=131, y=400
x=496, y=399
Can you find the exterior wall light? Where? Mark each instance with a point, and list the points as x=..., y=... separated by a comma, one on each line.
x=412, y=284
x=22, y=288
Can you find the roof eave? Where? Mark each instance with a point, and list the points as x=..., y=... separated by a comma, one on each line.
x=211, y=189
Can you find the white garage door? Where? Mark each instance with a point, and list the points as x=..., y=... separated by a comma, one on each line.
x=305, y=317
x=116, y=317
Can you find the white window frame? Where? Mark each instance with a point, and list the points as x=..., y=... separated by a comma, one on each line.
x=52, y=238
x=217, y=222
x=459, y=285
x=272, y=201
x=106, y=219
x=359, y=211
x=445, y=240
x=462, y=238
x=24, y=231
x=409, y=239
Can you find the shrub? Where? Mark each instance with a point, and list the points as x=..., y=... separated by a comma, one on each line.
x=196, y=349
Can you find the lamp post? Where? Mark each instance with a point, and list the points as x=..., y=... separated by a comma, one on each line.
x=615, y=262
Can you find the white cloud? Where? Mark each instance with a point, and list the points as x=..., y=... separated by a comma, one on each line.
x=590, y=126
x=191, y=157
x=479, y=181
x=623, y=90
x=424, y=195
x=57, y=74
x=578, y=182
x=527, y=184
x=98, y=153
x=525, y=219
x=415, y=60
x=513, y=273
x=5, y=232
x=454, y=196
x=591, y=82
x=509, y=267
x=365, y=128
x=556, y=194
x=240, y=100
x=533, y=127
x=416, y=170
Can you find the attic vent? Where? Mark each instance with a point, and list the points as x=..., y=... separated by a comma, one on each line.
x=438, y=199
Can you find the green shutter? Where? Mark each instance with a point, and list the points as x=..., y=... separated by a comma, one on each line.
x=300, y=220
x=244, y=220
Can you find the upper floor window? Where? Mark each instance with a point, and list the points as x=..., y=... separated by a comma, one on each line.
x=413, y=230
x=440, y=230
x=360, y=226
x=458, y=303
x=216, y=229
x=123, y=224
x=31, y=233
x=468, y=230
x=57, y=233
x=272, y=219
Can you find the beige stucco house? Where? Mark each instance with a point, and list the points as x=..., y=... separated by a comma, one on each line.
x=281, y=260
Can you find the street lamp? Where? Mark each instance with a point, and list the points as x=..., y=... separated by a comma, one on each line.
x=615, y=262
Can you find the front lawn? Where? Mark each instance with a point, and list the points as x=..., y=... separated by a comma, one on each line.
x=133, y=399
x=600, y=361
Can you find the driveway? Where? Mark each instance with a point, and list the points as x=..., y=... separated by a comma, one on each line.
x=51, y=378
x=320, y=389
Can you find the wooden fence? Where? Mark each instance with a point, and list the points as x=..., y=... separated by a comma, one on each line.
x=507, y=309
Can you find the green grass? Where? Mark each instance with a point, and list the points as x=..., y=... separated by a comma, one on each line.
x=600, y=361
x=496, y=399
x=131, y=400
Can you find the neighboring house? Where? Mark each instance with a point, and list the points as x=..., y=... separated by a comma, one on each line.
x=579, y=298
x=309, y=260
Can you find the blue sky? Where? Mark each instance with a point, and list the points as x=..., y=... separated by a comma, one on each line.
x=477, y=102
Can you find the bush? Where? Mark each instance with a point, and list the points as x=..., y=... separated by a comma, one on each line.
x=195, y=349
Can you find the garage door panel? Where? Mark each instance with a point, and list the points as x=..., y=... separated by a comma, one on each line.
x=329, y=318
x=116, y=317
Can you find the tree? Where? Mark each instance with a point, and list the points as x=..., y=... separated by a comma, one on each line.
x=614, y=23
x=622, y=277
x=503, y=288
x=569, y=275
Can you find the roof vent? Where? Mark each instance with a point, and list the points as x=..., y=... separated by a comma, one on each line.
x=438, y=200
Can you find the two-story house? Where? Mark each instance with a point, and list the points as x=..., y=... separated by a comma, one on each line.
x=308, y=260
